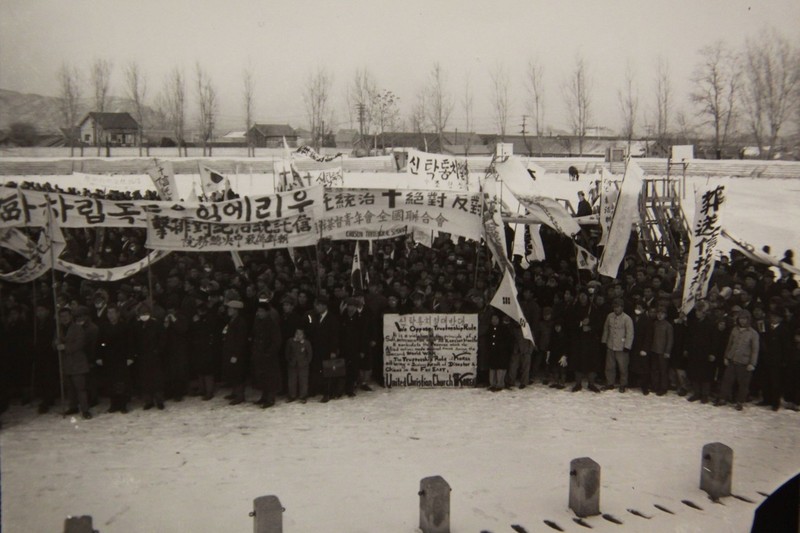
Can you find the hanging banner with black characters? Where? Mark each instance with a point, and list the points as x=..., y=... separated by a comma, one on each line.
x=609, y=192
x=438, y=171
x=290, y=176
x=23, y=208
x=704, y=240
x=383, y=213
x=163, y=175
x=307, y=151
x=430, y=350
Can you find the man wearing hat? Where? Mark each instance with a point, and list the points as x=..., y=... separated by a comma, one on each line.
x=234, y=351
x=324, y=329
x=75, y=365
x=265, y=350
x=148, y=352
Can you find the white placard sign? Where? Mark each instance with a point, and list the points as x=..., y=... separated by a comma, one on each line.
x=430, y=350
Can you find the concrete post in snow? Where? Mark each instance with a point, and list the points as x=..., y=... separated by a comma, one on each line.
x=79, y=524
x=716, y=470
x=267, y=515
x=584, y=487
x=434, y=505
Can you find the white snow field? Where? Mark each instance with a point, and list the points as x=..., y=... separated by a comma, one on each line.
x=354, y=465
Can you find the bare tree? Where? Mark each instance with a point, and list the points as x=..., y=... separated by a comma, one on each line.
x=772, y=83
x=686, y=130
x=315, y=96
x=716, y=82
x=69, y=81
x=249, y=109
x=385, y=113
x=577, y=97
x=174, y=104
x=467, y=103
x=207, y=107
x=500, y=99
x=628, y=98
x=360, y=95
x=534, y=84
x=439, y=104
x=101, y=81
x=663, y=94
x=136, y=87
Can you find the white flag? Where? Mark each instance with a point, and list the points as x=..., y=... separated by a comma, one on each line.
x=505, y=299
x=625, y=214
x=356, y=279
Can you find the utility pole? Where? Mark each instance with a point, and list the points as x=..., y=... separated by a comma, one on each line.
x=361, y=117
x=524, y=132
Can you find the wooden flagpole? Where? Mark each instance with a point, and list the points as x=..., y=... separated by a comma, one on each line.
x=55, y=303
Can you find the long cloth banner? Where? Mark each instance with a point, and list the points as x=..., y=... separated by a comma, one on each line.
x=382, y=213
x=754, y=254
x=20, y=208
x=438, y=171
x=705, y=235
x=430, y=350
x=625, y=214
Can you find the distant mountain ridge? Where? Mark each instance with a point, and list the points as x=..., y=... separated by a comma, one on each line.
x=43, y=112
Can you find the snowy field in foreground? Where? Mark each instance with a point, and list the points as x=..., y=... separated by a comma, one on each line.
x=354, y=465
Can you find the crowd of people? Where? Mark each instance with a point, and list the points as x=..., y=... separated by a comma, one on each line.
x=281, y=325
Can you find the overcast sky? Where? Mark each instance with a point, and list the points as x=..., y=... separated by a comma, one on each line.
x=398, y=42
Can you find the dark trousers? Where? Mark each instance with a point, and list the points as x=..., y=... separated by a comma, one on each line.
x=735, y=373
x=659, y=372
x=772, y=386
x=76, y=389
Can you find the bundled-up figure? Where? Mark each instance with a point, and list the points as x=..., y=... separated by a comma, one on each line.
x=558, y=359
x=148, y=353
x=264, y=350
x=353, y=343
x=176, y=329
x=775, y=358
x=234, y=352
x=113, y=355
x=75, y=365
x=640, y=347
x=298, y=359
x=324, y=328
x=499, y=345
x=741, y=358
x=205, y=341
x=45, y=357
x=701, y=331
x=661, y=351
x=618, y=338
x=520, y=365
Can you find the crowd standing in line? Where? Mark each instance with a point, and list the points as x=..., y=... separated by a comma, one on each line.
x=195, y=324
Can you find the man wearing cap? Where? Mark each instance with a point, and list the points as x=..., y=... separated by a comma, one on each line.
x=741, y=358
x=234, y=351
x=75, y=365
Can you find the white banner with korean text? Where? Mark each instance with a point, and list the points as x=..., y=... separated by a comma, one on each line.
x=438, y=171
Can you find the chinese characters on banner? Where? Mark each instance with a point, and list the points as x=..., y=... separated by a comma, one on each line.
x=706, y=230
x=608, y=202
x=430, y=350
x=166, y=233
x=438, y=171
x=163, y=175
x=383, y=213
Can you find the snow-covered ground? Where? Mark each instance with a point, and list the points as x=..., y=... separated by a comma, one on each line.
x=354, y=465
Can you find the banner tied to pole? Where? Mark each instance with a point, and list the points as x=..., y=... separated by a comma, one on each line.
x=163, y=175
x=625, y=214
x=289, y=176
x=704, y=240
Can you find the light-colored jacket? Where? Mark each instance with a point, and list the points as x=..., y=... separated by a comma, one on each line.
x=742, y=346
x=618, y=332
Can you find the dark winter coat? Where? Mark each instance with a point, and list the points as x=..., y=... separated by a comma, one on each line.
x=148, y=350
x=699, y=345
x=499, y=345
x=234, y=345
x=205, y=334
x=73, y=358
x=642, y=342
x=115, y=350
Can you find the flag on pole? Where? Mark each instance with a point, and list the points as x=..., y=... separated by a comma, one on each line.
x=356, y=279
x=586, y=261
x=626, y=213
x=505, y=299
x=212, y=181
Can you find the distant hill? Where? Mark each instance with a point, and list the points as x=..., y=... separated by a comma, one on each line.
x=44, y=114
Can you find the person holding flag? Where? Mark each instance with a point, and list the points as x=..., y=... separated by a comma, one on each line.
x=216, y=187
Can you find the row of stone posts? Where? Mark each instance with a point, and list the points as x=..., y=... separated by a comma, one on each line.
x=434, y=495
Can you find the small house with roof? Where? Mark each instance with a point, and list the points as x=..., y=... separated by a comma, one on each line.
x=271, y=135
x=114, y=129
